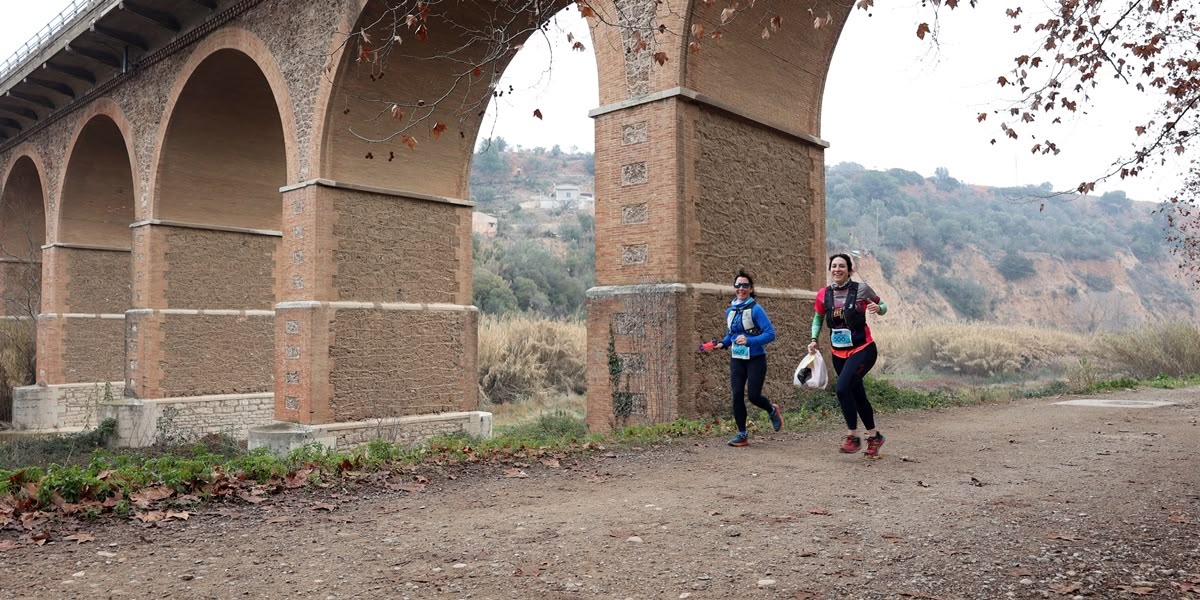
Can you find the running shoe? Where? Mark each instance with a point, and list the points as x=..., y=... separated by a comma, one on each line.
x=851, y=445
x=873, y=444
x=739, y=440
x=776, y=417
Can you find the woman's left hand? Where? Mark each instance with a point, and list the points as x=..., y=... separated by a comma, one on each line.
x=872, y=308
x=740, y=340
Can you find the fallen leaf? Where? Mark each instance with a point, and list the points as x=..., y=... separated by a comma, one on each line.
x=1178, y=518
x=6, y=545
x=252, y=499
x=278, y=520
x=1066, y=589
x=1020, y=572
x=324, y=506
x=80, y=538
x=922, y=484
x=550, y=462
x=1063, y=536
x=438, y=128
x=145, y=496
x=151, y=516
x=818, y=511
x=537, y=112
x=515, y=473
x=179, y=516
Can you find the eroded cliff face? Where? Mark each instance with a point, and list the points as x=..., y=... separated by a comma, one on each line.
x=1084, y=296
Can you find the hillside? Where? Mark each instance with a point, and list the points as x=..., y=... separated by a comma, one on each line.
x=935, y=248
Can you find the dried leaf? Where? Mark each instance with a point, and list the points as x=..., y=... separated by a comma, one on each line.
x=324, y=506
x=515, y=474
x=177, y=516
x=923, y=29
x=409, y=141
x=578, y=46
x=6, y=545
x=152, y=516
x=727, y=14
x=697, y=30
x=818, y=511
x=551, y=462
x=660, y=58
x=80, y=538
x=438, y=129
x=145, y=496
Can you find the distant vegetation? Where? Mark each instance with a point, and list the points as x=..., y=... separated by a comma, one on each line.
x=888, y=211
x=542, y=261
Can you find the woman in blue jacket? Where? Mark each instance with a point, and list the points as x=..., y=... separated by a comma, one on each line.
x=747, y=332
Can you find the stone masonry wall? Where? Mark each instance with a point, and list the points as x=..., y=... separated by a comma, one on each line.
x=217, y=354
x=243, y=281
x=391, y=363
x=60, y=406
x=100, y=282
x=765, y=228
x=392, y=249
x=93, y=350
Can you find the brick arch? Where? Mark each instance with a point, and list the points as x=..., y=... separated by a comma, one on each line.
x=28, y=152
x=437, y=167
x=98, y=196
x=189, y=151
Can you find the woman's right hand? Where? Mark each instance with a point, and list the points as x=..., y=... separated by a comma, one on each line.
x=812, y=347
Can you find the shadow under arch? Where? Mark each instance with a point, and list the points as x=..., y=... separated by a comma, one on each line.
x=23, y=204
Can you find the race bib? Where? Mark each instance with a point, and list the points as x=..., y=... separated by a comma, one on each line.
x=841, y=338
x=742, y=352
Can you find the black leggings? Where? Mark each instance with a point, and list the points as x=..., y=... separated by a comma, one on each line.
x=741, y=372
x=851, y=392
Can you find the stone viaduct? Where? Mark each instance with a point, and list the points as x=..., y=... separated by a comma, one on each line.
x=223, y=237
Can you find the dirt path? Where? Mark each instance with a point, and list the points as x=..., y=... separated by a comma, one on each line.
x=1021, y=500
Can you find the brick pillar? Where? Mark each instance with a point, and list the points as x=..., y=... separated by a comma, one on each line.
x=690, y=191
x=202, y=321
x=375, y=317
x=81, y=329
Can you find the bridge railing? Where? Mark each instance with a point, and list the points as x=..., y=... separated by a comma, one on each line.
x=46, y=35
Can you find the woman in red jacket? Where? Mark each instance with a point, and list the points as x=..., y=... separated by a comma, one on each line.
x=844, y=305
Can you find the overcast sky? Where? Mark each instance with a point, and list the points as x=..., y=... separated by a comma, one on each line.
x=890, y=101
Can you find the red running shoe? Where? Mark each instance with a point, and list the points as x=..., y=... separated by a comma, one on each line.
x=851, y=445
x=873, y=444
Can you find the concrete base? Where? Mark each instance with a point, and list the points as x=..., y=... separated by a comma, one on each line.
x=283, y=437
x=146, y=422
x=16, y=436
x=68, y=406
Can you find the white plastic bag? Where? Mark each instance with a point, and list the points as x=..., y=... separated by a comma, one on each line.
x=817, y=376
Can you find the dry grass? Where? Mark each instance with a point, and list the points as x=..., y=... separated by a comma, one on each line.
x=525, y=359
x=1153, y=350
x=17, y=360
x=978, y=350
x=520, y=413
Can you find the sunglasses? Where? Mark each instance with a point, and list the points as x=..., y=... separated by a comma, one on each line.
x=738, y=286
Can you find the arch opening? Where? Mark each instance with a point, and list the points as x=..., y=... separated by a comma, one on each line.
x=224, y=156
x=98, y=194
x=22, y=234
